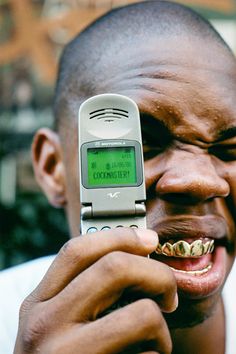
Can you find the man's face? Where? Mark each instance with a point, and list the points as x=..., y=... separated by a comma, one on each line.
x=186, y=93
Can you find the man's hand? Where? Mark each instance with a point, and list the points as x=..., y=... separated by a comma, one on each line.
x=89, y=275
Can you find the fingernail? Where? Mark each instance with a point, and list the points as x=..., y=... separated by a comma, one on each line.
x=176, y=302
x=173, y=306
x=148, y=237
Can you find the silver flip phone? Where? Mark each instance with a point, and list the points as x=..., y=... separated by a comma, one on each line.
x=112, y=185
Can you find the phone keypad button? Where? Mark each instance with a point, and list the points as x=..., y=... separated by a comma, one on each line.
x=91, y=230
x=104, y=228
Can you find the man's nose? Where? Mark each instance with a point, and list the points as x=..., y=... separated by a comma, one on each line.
x=190, y=178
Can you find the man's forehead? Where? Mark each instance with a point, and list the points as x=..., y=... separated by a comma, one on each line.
x=168, y=57
x=182, y=49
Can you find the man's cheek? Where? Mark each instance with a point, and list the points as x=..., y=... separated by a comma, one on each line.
x=227, y=207
x=231, y=179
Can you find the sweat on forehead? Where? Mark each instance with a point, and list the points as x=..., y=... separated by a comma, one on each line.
x=93, y=56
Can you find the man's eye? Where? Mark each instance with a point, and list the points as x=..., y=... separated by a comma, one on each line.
x=224, y=152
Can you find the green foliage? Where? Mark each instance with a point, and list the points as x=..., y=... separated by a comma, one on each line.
x=29, y=229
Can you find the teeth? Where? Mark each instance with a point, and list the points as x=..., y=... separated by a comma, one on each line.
x=194, y=272
x=206, y=246
x=197, y=248
x=167, y=249
x=159, y=248
x=183, y=249
x=212, y=246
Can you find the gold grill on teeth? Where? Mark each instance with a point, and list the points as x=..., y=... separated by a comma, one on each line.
x=183, y=249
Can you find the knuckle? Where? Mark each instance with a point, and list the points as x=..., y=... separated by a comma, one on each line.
x=131, y=238
x=27, y=305
x=114, y=263
x=134, y=237
x=151, y=314
x=35, y=328
x=67, y=248
x=128, y=238
x=71, y=249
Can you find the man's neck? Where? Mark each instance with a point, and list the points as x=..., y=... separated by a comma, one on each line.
x=203, y=338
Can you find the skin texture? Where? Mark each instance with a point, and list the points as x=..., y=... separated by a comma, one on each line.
x=187, y=103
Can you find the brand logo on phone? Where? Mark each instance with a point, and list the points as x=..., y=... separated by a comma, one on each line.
x=113, y=195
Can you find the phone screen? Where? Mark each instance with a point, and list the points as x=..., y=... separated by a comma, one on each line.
x=111, y=166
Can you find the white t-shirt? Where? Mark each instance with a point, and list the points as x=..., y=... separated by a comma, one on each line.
x=18, y=282
x=229, y=296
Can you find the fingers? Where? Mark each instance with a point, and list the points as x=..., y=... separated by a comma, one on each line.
x=99, y=286
x=138, y=322
x=89, y=274
x=81, y=252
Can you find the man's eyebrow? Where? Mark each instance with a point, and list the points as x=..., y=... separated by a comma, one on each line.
x=226, y=134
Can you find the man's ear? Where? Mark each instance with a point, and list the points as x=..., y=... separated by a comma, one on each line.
x=48, y=166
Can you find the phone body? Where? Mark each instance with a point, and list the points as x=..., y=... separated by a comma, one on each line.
x=111, y=167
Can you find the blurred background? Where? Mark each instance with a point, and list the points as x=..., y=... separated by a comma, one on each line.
x=32, y=35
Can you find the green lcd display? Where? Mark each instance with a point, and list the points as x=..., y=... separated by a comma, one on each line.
x=111, y=166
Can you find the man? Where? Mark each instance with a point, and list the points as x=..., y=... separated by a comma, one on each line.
x=183, y=78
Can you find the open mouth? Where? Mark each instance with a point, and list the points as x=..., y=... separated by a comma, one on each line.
x=194, y=248
x=187, y=257
x=199, y=268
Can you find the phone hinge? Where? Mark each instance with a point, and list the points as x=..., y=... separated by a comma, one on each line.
x=87, y=212
x=140, y=209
